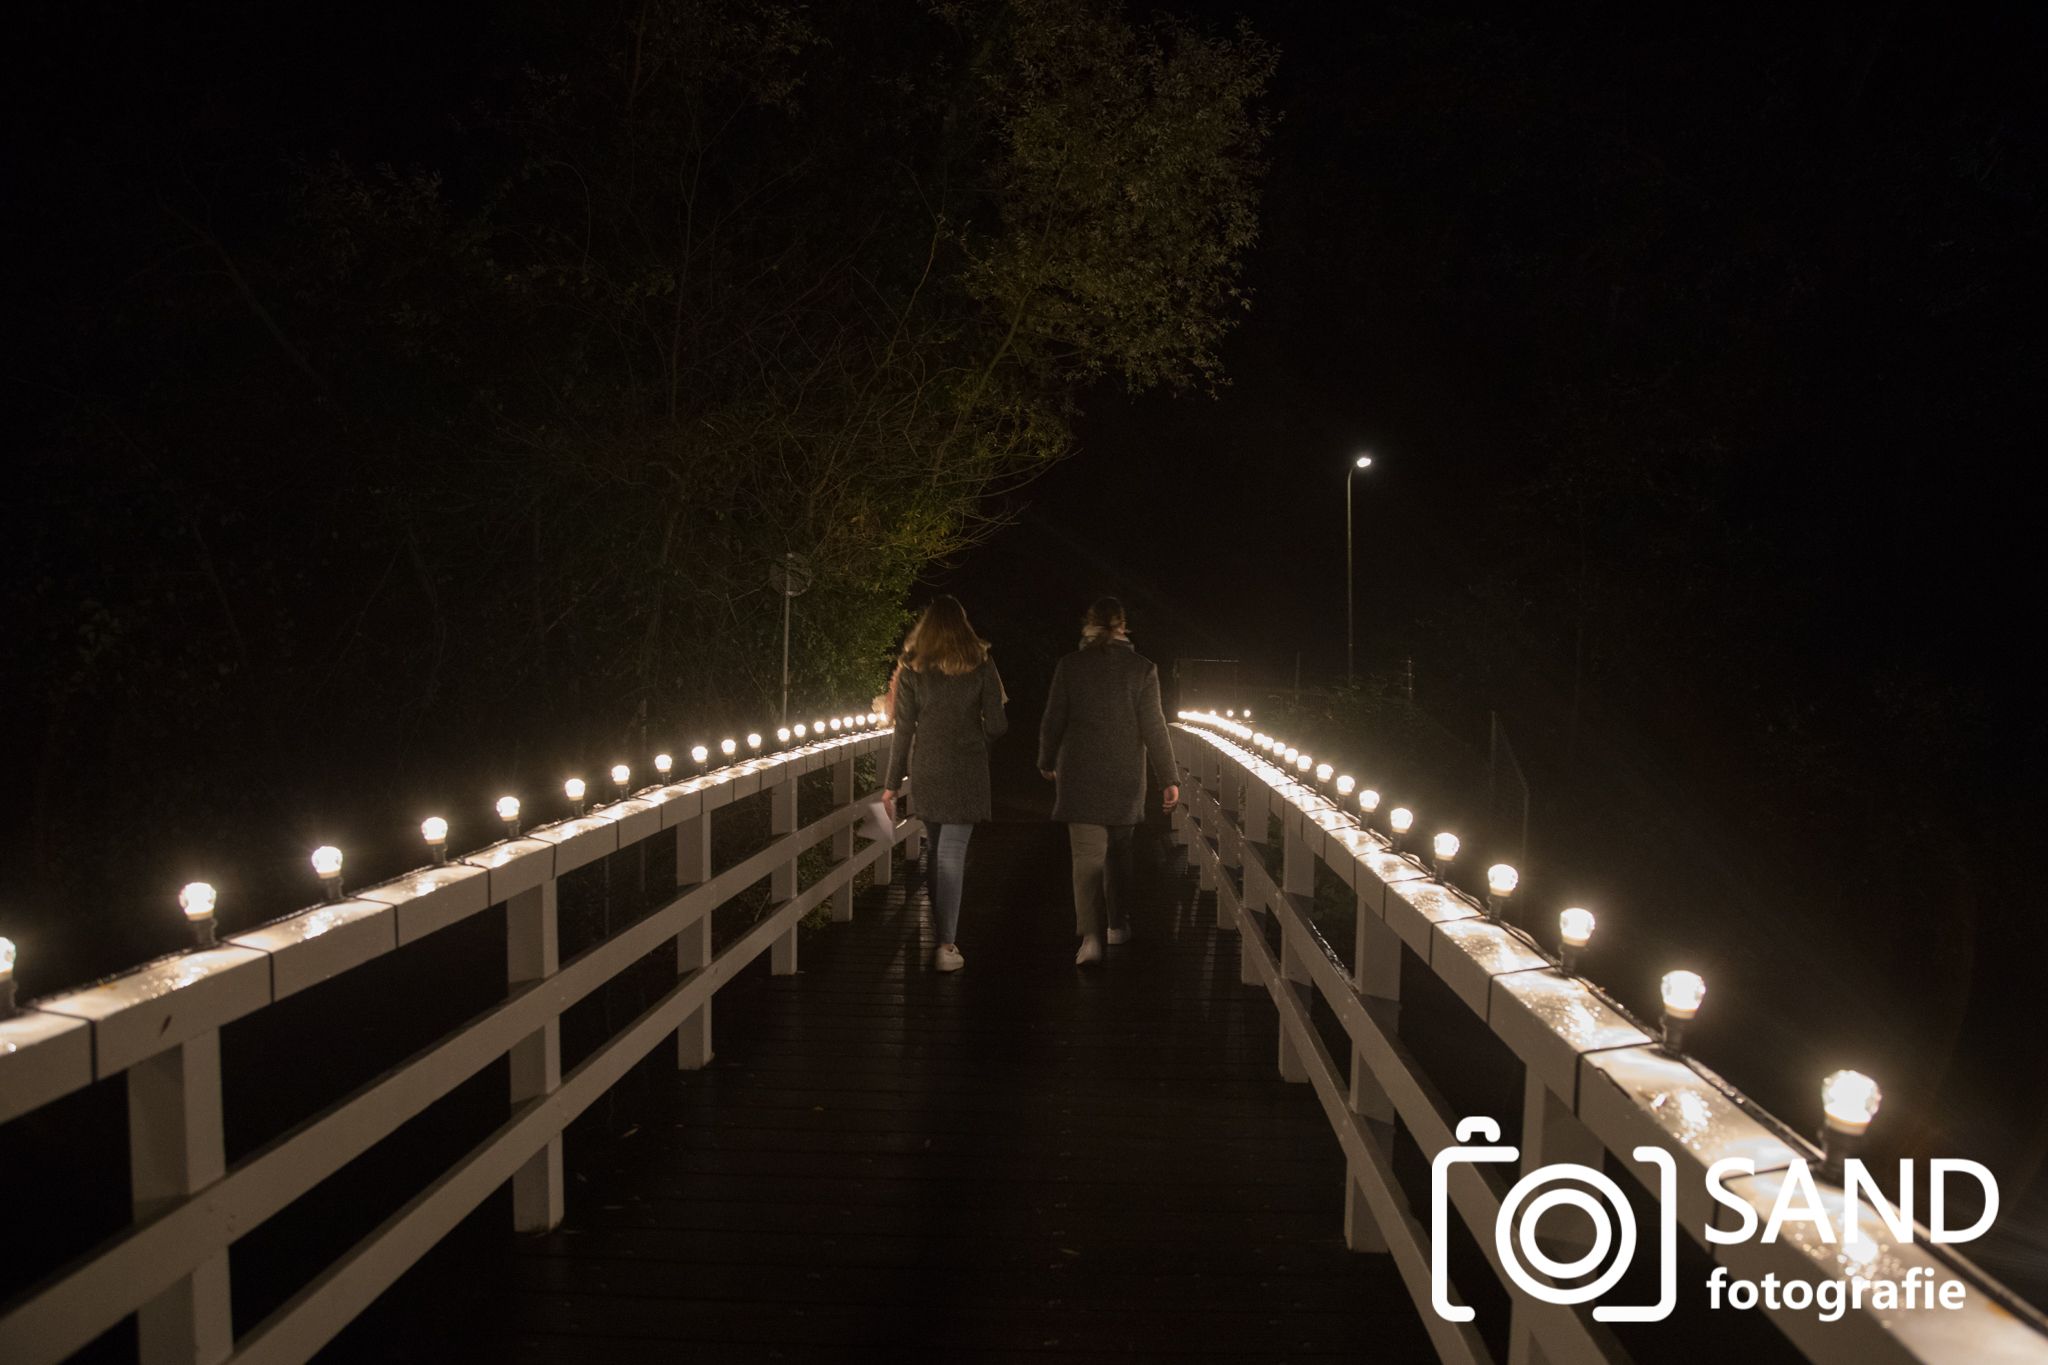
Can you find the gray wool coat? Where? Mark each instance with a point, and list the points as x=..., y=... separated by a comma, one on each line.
x=1101, y=721
x=943, y=728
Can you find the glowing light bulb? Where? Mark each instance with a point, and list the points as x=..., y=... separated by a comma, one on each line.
x=1401, y=819
x=1247, y=713
x=621, y=775
x=1231, y=712
x=1850, y=1100
x=1368, y=800
x=663, y=763
x=728, y=747
x=574, y=789
x=327, y=861
x=1682, y=993
x=753, y=742
x=6, y=959
x=699, y=755
x=800, y=731
x=197, y=902
x=818, y=727
x=1324, y=772
x=1346, y=784
x=1303, y=763
x=508, y=811
x=1290, y=753
x=1575, y=927
x=1363, y=462
x=1501, y=879
x=1444, y=846
x=782, y=734
x=435, y=831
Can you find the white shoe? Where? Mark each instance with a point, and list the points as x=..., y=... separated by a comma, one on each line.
x=946, y=958
x=1091, y=951
x=1117, y=936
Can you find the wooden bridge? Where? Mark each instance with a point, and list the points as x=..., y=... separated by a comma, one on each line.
x=1218, y=1145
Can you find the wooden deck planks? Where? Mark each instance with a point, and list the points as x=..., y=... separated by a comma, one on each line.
x=1018, y=1161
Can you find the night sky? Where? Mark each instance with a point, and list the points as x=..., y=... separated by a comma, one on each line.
x=1700, y=352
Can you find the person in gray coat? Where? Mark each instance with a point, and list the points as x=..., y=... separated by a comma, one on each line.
x=948, y=706
x=1101, y=722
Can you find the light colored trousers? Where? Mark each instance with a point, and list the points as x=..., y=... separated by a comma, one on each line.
x=1102, y=876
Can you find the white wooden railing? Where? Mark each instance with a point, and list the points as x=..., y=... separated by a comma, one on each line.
x=1595, y=1081
x=159, y=1028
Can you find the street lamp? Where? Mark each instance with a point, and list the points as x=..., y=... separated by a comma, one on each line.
x=1350, y=578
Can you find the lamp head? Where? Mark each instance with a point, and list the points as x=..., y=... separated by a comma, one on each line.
x=1849, y=1099
x=1682, y=993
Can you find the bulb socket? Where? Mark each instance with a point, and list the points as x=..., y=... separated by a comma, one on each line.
x=1836, y=1147
x=203, y=935
x=1674, y=1033
x=331, y=886
x=7, y=1005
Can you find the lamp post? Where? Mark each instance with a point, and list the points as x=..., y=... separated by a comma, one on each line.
x=1350, y=578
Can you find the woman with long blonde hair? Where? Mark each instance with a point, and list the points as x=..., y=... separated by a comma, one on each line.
x=948, y=708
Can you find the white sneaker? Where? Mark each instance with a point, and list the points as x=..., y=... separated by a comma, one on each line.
x=1091, y=951
x=946, y=958
x=1117, y=935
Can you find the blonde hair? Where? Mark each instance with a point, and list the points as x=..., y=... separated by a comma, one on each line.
x=1103, y=622
x=943, y=641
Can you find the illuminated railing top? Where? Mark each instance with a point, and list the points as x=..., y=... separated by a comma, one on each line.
x=59, y=1043
x=1570, y=1033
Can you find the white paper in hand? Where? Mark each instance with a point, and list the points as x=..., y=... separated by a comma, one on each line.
x=875, y=823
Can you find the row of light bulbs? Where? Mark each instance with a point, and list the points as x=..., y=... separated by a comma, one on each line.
x=1849, y=1099
x=199, y=900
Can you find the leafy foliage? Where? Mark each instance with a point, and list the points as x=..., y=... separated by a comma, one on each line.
x=494, y=444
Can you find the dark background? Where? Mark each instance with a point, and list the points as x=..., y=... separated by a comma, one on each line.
x=1700, y=354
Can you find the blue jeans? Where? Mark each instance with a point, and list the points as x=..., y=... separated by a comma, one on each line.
x=949, y=870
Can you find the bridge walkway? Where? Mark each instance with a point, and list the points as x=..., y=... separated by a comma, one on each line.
x=1018, y=1161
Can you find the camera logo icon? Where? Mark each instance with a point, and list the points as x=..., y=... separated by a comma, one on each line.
x=1571, y=1280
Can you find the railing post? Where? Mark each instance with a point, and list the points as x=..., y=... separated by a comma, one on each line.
x=1205, y=777
x=1298, y=884
x=1181, y=817
x=1258, y=799
x=176, y=1148
x=885, y=862
x=1376, y=972
x=1229, y=800
x=693, y=944
x=532, y=954
x=782, y=881
x=1230, y=835
x=1551, y=1133
x=842, y=842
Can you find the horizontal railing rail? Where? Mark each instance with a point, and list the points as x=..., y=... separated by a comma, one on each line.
x=1595, y=1084
x=158, y=1028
